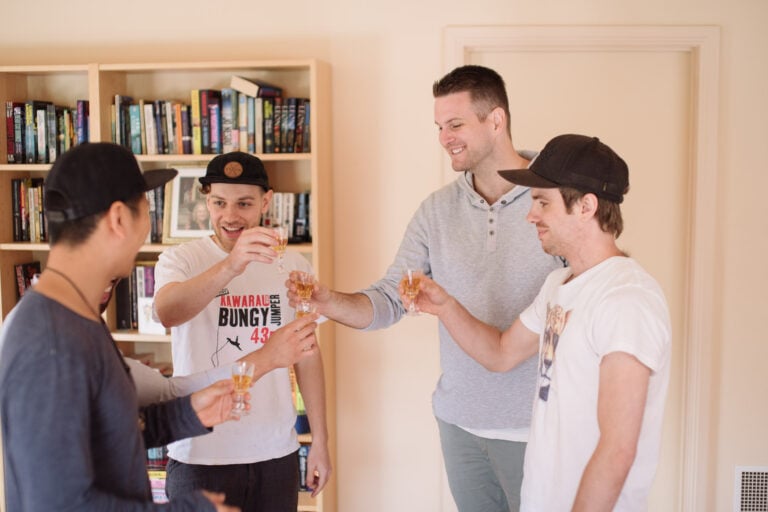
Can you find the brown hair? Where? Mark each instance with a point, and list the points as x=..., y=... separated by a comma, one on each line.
x=485, y=86
x=608, y=213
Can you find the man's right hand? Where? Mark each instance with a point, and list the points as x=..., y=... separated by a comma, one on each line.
x=321, y=295
x=289, y=344
x=254, y=244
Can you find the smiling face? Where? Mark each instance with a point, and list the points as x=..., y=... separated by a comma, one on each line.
x=467, y=139
x=235, y=208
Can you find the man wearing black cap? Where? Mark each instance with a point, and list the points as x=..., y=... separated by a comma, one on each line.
x=223, y=297
x=601, y=328
x=74, y=436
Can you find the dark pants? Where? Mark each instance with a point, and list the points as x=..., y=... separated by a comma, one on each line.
x=268, y=486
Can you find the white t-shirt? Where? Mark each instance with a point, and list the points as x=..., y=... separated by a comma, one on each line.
x=613, y=307
x=238, y=321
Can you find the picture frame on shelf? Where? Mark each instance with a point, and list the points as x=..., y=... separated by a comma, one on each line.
x=186, y=215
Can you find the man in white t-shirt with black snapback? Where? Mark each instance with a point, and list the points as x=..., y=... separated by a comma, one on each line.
x=223, y=297
x=602, y=330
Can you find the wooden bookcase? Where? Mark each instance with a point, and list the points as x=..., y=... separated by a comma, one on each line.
x=289, y=172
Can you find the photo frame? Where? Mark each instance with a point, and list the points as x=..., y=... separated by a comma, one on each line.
x=186, y=215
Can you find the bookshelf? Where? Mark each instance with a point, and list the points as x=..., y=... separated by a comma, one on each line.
x=289, y=172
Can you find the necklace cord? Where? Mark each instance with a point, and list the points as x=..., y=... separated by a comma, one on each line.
x=88, y=305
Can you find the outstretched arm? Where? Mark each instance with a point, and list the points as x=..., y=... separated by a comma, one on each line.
x=497, y=351
x=351, y=309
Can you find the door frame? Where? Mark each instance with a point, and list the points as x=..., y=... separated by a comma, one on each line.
x=703, y=44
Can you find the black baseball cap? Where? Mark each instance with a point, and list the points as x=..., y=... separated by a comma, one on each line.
x=237, y=168
x=88, y=178
x=579, y=162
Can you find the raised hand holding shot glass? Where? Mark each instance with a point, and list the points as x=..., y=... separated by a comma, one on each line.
x=410, y=289
x=281, y=242
x=305, y=285
x=242, y=376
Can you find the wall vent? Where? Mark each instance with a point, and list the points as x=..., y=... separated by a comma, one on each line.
x=751, y=489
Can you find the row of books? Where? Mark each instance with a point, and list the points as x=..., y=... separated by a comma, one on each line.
x=247, y=116
x=133, y=300
x=38, y=131
x=290, y=210
x=29, y=222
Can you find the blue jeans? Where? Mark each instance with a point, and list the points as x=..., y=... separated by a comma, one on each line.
x=268, y=486
x=484, y=475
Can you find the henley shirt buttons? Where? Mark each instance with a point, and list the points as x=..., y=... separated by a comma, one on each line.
x=490, y=221
x=491, y=232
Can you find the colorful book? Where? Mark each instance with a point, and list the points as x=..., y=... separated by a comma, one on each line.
x=227, y=120
x=194, y=119
x=242, y=122
x=81, y=125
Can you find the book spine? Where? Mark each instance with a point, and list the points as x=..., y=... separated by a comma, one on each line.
x=160, y=122
x=307, y=143
x=152, y=235
x=20, y=288
x=205, y=122
x=16, y=206
x=177, y=126
x=81, y=129
x=123, y=304
x=159, y=212
x=194, y=119
x=51, y=135
x=18, y=132
x=149, y=128
x=269, y=135
x=277, y=119
x=186, y=130
x=41, y=125
x=301, y=227
x=23, y=210
x=134, y=301
x=289, y=138
x=33, y=236
x=61, y=130
x=242, y=122
x=226, y=120
x=30, y=135
x=251, y=124
x=214, y=110
x=134, y=113
x=289, y=215
x=298, y=141
x=142, y=127
x=170, y=130
x=258, y=124
x=10, y=145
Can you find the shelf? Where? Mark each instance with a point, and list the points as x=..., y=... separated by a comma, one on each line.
x=306, y=502
x=137, y=337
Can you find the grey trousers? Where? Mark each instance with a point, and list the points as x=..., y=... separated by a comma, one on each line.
x=484, y=475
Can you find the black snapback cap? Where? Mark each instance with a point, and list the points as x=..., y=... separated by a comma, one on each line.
x=88, y=178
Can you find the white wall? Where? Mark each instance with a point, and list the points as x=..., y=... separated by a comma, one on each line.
x=384, y=58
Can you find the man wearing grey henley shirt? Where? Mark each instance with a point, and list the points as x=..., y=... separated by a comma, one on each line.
x=470, y=236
